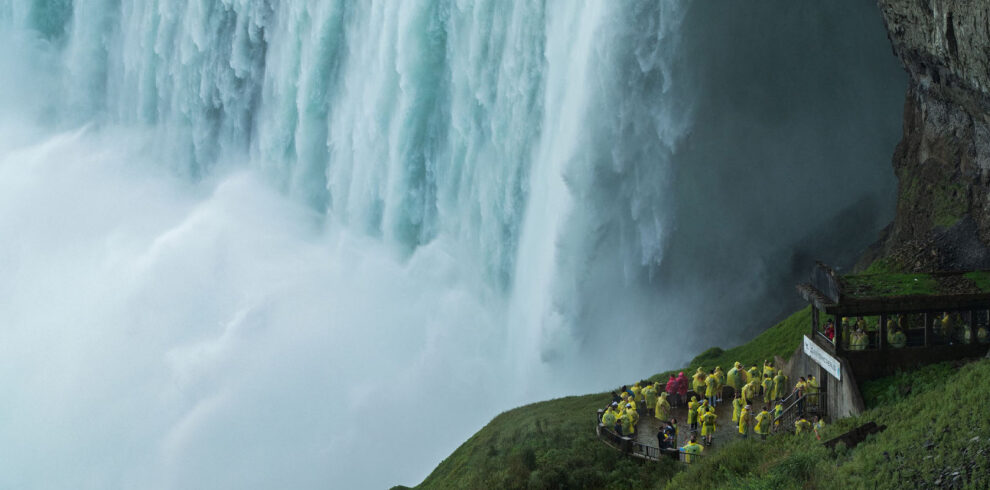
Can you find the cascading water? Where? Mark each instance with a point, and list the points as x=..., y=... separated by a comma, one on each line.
x=261, y=243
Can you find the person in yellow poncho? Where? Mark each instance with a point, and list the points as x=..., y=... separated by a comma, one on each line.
x=753, y=375
x=946, y=326
x=691, y=448
x=649, y=397
x=608, y=418
x=777, y=412
x=699, y=382
x=801, y=390
x=896, y=337
x=818, y=426
x=628, y=424
x=802, y=425
x=768, y=369
x=702, y=408
x=708, y=426
x=779, y=386
x=858, y=340
x=662, y=409
x=812, y=386
x=750, y=391
x=767, y=388
x=733, y=380
x=627, y=400
x=745, y=420
x=737, y=406
x=763, y=421
x=693, y=413
x=720, y=376
x=711, y=388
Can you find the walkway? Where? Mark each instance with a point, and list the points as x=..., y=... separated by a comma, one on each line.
x=725, y=429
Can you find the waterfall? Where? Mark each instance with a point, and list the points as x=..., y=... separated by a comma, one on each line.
x=258, y=241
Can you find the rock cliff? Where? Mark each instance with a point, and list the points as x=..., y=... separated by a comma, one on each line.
x=943, y=161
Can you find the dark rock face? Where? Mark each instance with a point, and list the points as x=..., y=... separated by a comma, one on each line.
x=943, y=161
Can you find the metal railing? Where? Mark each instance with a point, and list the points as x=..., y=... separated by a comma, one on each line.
x=635, y=448
x=812, y=404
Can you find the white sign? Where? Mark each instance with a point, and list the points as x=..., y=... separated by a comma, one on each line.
x=826, y=361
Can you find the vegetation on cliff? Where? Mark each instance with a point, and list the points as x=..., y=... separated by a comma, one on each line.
x=936, y=434
x=552, y=444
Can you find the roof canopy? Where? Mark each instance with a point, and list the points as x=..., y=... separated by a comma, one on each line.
x=874, y=294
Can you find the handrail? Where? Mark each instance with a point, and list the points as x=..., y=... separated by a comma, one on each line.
x=633, y=447
x=789, y=415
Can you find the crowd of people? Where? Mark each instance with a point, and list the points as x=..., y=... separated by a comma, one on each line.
x=750, y=388
x=864, y=333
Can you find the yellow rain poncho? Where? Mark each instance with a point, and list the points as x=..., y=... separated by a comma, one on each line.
x=608, y=418
x=650, y=396
x=691, y=448
x=779, y=386
x=662, y=409
x=711, y=385
x=745, y=421
x=763, y=420
x=708, y=423
x=699, y=381
x=767, y=389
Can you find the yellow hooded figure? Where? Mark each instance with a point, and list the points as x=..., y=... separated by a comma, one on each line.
x=699, y=381
x=693, y=410
x=662, y=410
x=649, y=396
x=768, y=369
x=608, y=418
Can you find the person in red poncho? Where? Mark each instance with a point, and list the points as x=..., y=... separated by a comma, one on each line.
x=672, y=390
x=682, y=387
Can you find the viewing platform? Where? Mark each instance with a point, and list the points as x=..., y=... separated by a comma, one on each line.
x=884, y=323
x=863, y=327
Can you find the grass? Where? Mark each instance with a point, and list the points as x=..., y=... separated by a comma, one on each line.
x=981, y=279
x=552, y=444
x=873, y=285
x=947, y=201
x=781, y=340
x=937, y=434
x=932, y=415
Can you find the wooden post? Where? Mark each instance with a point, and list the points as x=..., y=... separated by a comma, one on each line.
x=837, y=318
x=814, y=321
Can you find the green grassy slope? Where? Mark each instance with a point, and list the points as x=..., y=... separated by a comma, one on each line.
x=938, y=433
x=932, y=415
x=552, y=443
